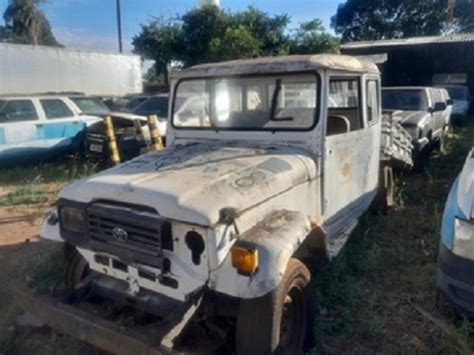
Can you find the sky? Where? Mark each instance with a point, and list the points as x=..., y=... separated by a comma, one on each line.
x=91, y=24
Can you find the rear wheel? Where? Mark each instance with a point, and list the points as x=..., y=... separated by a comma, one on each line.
x=277, y=323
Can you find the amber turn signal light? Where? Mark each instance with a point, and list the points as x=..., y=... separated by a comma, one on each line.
x=245, y=259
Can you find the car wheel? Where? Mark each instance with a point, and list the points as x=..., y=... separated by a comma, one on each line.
x=420, y=160
x=76, y=267
x=277, y=323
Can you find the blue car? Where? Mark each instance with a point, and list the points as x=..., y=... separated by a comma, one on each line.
x=456, y=254
x=39, y=127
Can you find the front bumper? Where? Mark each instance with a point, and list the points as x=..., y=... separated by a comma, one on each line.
x=456, y=280
x=86, y=324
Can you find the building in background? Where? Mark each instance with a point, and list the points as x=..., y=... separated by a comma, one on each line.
x=421, y=60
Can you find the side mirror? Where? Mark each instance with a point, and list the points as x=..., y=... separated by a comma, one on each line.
x=450, y=102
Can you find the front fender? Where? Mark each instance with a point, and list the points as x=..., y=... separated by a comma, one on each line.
x=50, y=228
x=276, y=237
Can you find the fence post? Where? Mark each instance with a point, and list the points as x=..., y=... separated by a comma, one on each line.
x=110, y=133
x=144, y=145
x=156, y=142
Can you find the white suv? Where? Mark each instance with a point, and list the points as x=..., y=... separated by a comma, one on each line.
x=36, y=127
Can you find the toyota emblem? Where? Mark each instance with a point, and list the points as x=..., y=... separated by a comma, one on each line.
x=120, y=234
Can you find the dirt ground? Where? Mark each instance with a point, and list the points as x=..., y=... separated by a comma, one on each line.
x=378, y=297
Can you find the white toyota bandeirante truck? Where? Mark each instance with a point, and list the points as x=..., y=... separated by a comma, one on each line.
x=267, y=170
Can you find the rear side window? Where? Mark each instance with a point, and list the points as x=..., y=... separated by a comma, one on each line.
x=344, y=108
x=18, y=110
x=54, y=108
x=372, y=102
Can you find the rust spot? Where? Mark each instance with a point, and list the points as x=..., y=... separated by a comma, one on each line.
x=347, y=172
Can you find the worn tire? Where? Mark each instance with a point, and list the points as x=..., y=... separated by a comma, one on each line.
x=384, y=198
x=76, y=267
x=421, y=160
x=277, y=323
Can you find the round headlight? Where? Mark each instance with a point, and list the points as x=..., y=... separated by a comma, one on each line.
x=73, y=220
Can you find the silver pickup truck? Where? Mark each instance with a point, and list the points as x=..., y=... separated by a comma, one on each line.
x=267, y=173
x=423, y=112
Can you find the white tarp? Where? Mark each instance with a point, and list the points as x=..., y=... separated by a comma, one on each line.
x=37, y=69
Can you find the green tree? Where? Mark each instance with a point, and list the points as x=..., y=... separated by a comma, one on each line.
x=268, y=30
x=25, y=23
x=157, y=41
x=237, y=43
x=210, y=34
x=464, y=16
x=312, y=38
x=380, y=19
x=200, y=28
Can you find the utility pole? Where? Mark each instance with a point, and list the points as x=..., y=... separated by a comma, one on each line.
x=450, y=11
x=119, y=26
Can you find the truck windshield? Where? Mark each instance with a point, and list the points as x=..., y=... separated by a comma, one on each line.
x=287, y=102
x=406, y=100
x=458, y=93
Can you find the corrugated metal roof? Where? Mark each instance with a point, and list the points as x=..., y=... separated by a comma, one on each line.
x=466, y=37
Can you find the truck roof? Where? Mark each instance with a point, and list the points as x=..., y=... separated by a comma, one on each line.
x=294, y=63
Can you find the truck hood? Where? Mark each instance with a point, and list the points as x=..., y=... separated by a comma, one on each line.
x=192, y=183
x=408, y=118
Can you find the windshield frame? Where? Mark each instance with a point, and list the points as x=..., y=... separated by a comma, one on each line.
x=317, y=110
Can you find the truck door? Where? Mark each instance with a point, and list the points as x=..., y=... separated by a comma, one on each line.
x=352, y=148
x=18, y=118
x=61, y=126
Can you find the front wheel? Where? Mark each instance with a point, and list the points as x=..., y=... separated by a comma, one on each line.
x=76, y=267
x=277, y=323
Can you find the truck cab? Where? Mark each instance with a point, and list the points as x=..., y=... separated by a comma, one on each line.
x=268, y=172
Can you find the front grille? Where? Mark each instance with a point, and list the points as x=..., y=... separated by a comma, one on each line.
x=132, y=234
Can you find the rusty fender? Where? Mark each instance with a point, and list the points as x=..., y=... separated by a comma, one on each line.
x=276, y=237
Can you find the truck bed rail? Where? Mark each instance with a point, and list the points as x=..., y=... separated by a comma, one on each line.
x=396, y=143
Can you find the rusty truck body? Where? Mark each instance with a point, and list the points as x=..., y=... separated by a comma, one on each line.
x=268, y=169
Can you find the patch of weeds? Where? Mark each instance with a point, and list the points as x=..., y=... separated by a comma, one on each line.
x=25, y=195
x=338, y=287
x=58, y=171
x=400, y=192
x=49, y=272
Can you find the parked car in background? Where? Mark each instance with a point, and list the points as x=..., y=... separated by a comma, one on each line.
x=449, y=106
x=461, y=102
x=39, y=127
x=128, y=144
x=456, y=253
x=130, y=103
x=154, y=105
x=422, y=112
